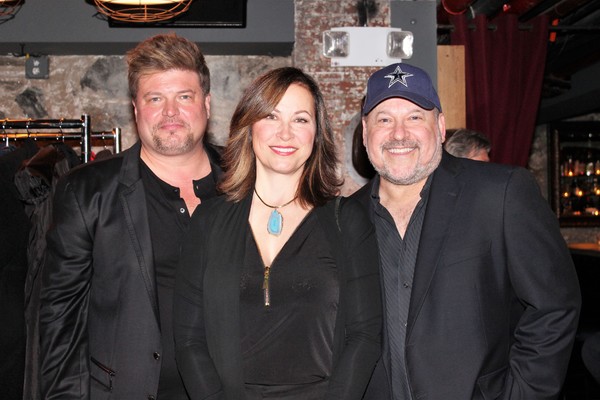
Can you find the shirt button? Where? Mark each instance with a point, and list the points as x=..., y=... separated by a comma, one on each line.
x=406, y=285
x=156, y=355
x=150, y=397
x=182, y=210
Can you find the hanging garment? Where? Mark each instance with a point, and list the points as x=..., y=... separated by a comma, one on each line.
x=35, y=182
x=14, y=230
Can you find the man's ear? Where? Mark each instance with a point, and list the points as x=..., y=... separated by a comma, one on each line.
x=207, y=105
x=442, y=126
x=134, y=109
x=364, y=130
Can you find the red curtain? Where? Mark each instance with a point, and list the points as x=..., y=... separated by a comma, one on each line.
x=504, y=66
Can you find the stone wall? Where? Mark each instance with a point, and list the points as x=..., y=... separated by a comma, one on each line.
x=97, y=85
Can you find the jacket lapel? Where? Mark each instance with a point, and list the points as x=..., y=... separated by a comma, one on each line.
x=133, y=201
x=443, y=196
x=222, y=288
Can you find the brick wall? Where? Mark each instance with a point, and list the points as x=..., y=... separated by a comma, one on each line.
x=343, y=87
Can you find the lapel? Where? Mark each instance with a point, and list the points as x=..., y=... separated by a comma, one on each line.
x=444, y=193
x=133, y=200
x=225, y=253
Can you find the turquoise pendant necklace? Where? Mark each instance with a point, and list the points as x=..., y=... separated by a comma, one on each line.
x=275, y=223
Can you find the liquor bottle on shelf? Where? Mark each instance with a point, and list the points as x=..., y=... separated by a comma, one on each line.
x=574, y=162
x=589, y=164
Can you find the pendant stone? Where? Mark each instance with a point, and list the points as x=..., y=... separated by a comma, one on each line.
x=275, y=224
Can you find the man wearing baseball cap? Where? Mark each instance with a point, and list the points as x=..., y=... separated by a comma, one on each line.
x=480, y=294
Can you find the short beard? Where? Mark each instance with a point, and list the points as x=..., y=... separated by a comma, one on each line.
x=420, y=172
x=166, y=146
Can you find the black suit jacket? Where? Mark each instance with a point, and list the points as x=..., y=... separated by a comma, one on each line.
x=99, y=320
x=495, y=298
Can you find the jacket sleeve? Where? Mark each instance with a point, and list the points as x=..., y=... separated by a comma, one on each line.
x=362, y=305
x=544, y=279
x=195, y=364
x=64, y=292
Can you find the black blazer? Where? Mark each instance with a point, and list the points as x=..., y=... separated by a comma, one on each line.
x=206, y=304
x=99, y=321
x=495, y=298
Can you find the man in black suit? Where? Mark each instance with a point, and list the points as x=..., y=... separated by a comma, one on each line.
x=480, y=294
x=105, y=318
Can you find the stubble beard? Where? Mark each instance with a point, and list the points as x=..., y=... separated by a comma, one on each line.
x=171, y=142
x=420, y=171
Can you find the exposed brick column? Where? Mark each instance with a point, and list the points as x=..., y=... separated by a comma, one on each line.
x=343, y=87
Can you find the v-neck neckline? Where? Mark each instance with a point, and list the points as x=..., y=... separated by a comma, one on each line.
x=285, y=245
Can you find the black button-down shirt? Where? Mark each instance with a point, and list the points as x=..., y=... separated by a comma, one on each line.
x=398, y=259
x=169, y=219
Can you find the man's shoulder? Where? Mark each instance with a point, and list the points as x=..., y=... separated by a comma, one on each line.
x=363, y=194
x=472, y=170
x=101, y=172
x=106, y=166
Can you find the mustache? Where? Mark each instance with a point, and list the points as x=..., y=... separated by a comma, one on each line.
x=399, y=143
x=168, y=121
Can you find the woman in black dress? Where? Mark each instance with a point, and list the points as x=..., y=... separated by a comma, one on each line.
x=277, y=294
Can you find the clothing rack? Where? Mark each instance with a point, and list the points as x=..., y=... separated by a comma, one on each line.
x=68, y=129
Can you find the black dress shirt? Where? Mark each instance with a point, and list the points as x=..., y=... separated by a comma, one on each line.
x=169, y=219
x=398, y=258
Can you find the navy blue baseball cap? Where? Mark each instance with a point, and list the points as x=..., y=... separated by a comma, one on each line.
x=401, y=80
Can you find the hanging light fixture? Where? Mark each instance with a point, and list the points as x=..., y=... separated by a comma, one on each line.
x=142, y=11
x=9, y=8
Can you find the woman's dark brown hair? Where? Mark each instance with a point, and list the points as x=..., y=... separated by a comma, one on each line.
x=319, y=181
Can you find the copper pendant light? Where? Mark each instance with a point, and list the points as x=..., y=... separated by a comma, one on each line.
x=142, y=11
x=8, y=8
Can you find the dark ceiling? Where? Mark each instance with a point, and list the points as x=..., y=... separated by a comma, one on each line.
x=574, y=24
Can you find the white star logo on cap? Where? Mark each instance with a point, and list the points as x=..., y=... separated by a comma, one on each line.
x=398, y=76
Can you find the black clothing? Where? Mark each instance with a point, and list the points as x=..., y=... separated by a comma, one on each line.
x=14, y=231
x=304, y=287
x=495, y=300
x=35, y=182
x=169, y=219
x=208, y=310
x=398, y=257
x=100, y=247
